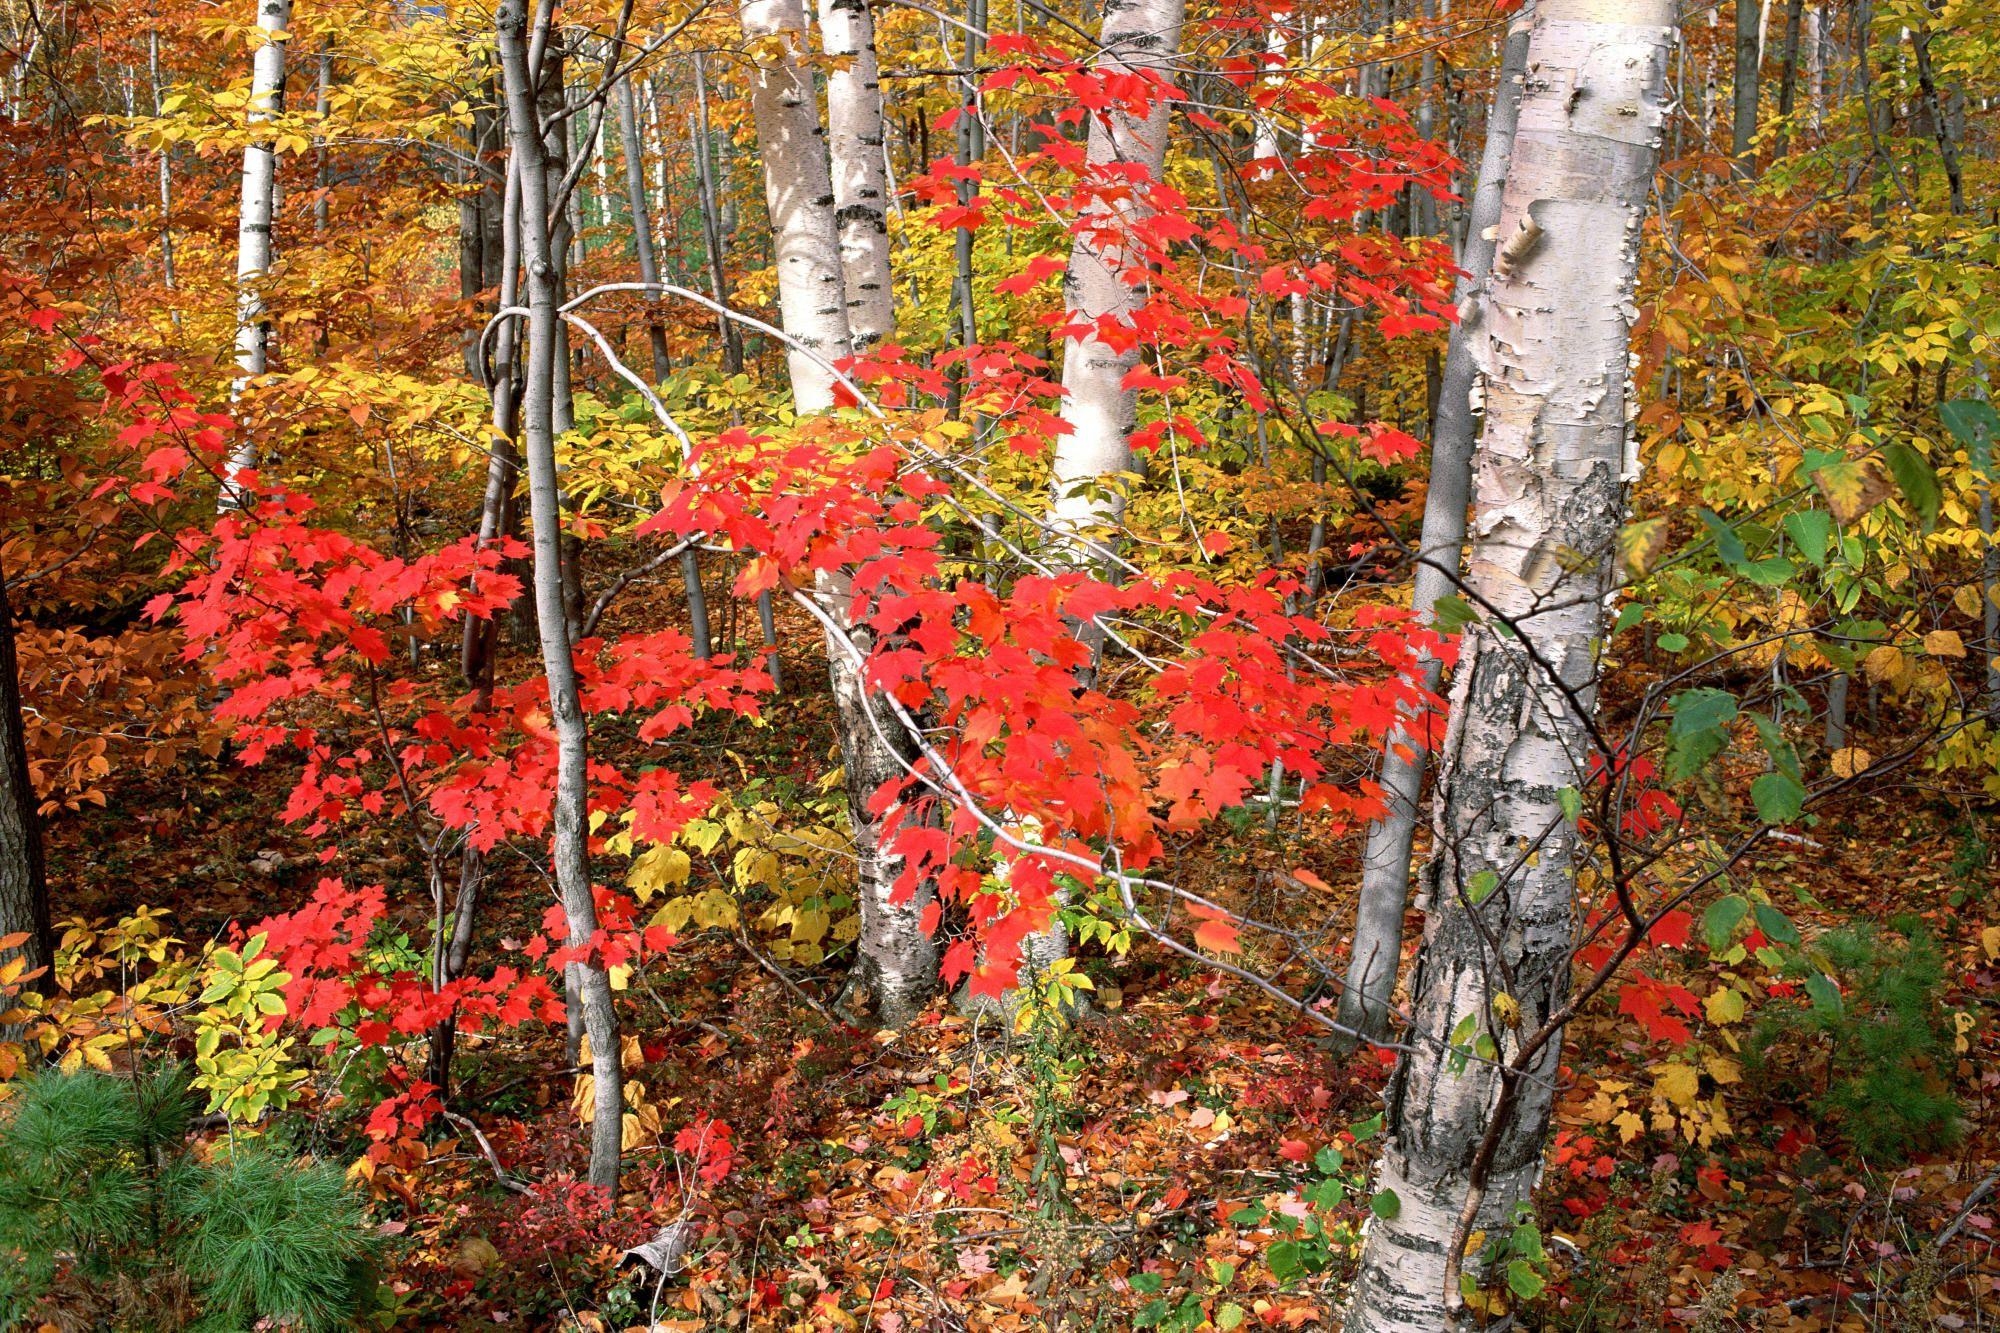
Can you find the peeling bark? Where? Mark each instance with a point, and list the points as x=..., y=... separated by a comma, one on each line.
x=860, y=189
x=1549, y=486
x=896, y=965
x=1385, y=864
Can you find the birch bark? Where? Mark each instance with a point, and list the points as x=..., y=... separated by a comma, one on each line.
x=896, y=961
x=860, y=192
x=253, y=235
x=1385, y=864
x=1466, y=1136
x=592, y=991
x=1140, y=37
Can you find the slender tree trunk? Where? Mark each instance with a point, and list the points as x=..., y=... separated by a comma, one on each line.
x=860, y=193
x=642, y=224
x=1385, y=864
x=896, y=963
x=1920, y=48
x=1748, y=77
x=570, y=813
x=1788, y=80
x=656, y=334
x=253, y=235
x=971, y=148
x=24, y=886
x=1466, y=1135
x=711, y=222
x=166, y=175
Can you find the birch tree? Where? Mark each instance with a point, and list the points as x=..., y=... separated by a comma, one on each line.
x=1141, y=37
x=896, y=963
x=860, y=174
x=1469, y=1104
x=591, y=989
x=1092, y=461
x=1385, y=864
x=253, y=232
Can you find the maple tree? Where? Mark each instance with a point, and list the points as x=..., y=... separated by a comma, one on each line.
x=776, y=667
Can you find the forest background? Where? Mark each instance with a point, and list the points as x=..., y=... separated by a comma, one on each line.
x=978, y=666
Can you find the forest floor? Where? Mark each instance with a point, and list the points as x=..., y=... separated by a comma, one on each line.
x=1160, y=1161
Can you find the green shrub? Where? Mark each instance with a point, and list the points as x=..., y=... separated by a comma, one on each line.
x=1871, y=1003
x=107, y=1220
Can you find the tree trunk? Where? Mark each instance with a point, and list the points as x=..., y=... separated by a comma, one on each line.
x=1140, y=36
x=1744, y=125
x=1466, y=1134
x=896, y=962
x=570, y=815
x=24, y=887
x=711, y=223
x=656, y=334
x=1385, y=864
x=1087, y=499
x=1788, y=80
x=860, y=193
x=166, y=176
x=253, y=235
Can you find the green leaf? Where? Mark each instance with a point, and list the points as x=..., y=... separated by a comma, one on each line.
x=1571, y=801
x=1772, y=571
x=1919, y=482
x=1523, y=1280
x=1284, y=1261
x=1976, y=425
x=1783, y=757
x=1728, y=545
x=1329, y=1160
x=1825, y=995
x=1719, y=922
x=1146, y=1284
x=1811, y=530
x=1775, y=925
x=1673, y=643
x=1480, y=887
x=1779, y=798
x=1228, y=1317
x=1629, y=615
x=1696, y=734
x=1452, y=613
x=1150, y=1314
x=1364, y=1130
x=1385, y=1205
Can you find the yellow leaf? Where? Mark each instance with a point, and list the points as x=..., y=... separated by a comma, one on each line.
x=1724, y=1006
x=1967, y=600
x=1989, y=940
x=658, y=867
x=1723, y=1069
x=1944, y=643
x=1629, y=1126
x=1507, y=1009
x=1677, y=1084
x=1883, y=663
x=1847, y=762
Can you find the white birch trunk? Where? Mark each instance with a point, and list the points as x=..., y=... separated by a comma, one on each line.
x=1138, y=35
x=1549, y=490
x=860, y=192
x=896, y=963
x=1091, y=461
x=1385, y=864
x=798, y=192
x=590, y=988
x=253, y=234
